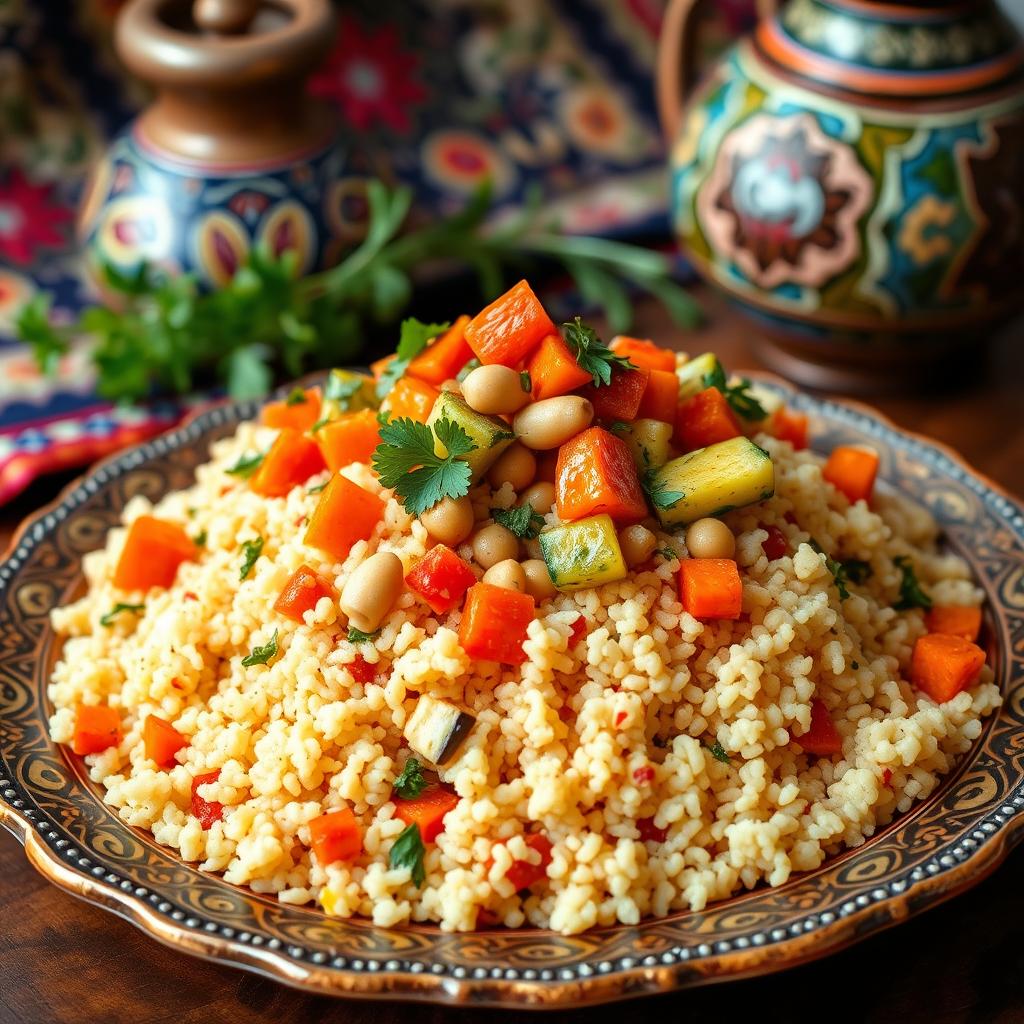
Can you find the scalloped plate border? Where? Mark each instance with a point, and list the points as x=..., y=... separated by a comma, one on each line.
x=881, y=903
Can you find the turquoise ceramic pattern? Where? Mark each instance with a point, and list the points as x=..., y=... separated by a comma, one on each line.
x=941, y=847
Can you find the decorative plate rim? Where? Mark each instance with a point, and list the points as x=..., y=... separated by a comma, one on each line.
x=950, y=870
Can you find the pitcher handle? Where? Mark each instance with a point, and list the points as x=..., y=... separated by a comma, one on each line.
x=674, y=65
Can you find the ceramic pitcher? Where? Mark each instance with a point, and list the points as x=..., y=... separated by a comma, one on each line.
x=852, y=174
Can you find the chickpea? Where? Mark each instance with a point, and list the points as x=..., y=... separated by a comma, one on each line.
x=710, y=538
x=516, y=466
x=637, y=544
x=538, y=579
x=451, y=385
x=541, y=496
x=450, y=521
x=494, y=544
x=494, y=389
x=507, y=574
x=551, y=422
x=372, y=589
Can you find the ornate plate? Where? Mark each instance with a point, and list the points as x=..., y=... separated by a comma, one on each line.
x=938, y=849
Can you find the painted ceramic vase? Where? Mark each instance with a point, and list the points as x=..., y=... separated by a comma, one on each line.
x=852, y=174
x=231, y=154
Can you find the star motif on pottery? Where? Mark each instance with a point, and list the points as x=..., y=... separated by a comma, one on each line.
x=783, y=200
x=29, y=218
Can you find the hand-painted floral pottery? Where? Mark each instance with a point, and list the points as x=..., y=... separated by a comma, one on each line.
x=232, y=153
x=942, y=846
x=852, y=174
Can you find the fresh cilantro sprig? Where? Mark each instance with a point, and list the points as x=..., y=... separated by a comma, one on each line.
x=262, y=655
x=166, y=332
x=413, y=339
x=742, y=402
x=121, y=606
x=521, y=520
x=407, y=852
x=246, y=465
x=405, y=461
x=357, y=636
x=912, y=594
x=853, y=570
x=593, y=356
x=251, y=551
x=410, y=782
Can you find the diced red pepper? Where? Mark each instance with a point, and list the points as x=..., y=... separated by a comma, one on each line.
x=522, y=874
x=362, y=671
x=886, y=776
x=494, y=623
x=301, y=593
x=578, y=631
x=822, y=739
x=705, y=418
x=649, y=832
x=619, y=400
x=441, y=578
x=643, y=774
x=776, y=545
x=427, y=810
x=207, y=811
x=789, y=426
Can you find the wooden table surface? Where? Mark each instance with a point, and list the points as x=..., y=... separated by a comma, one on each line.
x=66, y=962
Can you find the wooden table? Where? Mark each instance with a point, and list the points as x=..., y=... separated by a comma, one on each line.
x=64, y=961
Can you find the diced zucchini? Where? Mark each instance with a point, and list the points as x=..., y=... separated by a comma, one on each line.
x=691, y=374
x=649, y=441
x=583, y=554
x=347, y=391
x=711, y=481
x=490, y=435
x=436, y=729
x=467, y=370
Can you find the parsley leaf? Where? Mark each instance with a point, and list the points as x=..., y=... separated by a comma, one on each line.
x=412, y=340
x=852, y=571
x=912, y=594
x=405, y=461
x=246, y=466
x=667, y=552
x=738, y=396
x=108, y=619
x=408, y=852
x=296, y=397
x=657, y=491
x=200, y=539
x=592, y=355
x=521, y=520
x=525, y=381
x=717, y=751
x=252, y=550
x=357, y=636
x=338, y=394
x=261, y=655
x=410, y=783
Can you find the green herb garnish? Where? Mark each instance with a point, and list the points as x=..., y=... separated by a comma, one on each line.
x=108, y=619
x=657, y=490
x=521, y=520
x=742, y=402
x=619, y=427
x=912, y=594
x=200, y=539
x=408, y=852
x=853, y=570
x=717, y=751
x=261, y=655
x=405, y=461
x=413, y=339
x=593, y=356
x=410, y=783
x=667, y=553
x=246, y=466
x=296, y=397
x=357, y=636
x=525, y=381
x=252, y=549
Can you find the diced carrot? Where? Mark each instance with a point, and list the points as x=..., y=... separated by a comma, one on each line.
x=427, y=810
x=660, y=398
x=345, y=513
x=207, y=811
x=441, y=578
x=521, y=873
x=494, y=623
x=293, y=458
x=597, y=474
x=852, y=471
x=152, y=552
x=378, y=366
x=705, y=418
x=641, y=352
x=942, y=665
x=293, y=414
x=410, y=398
x=710, y=588
x=443, y=359
x=350, y=438
x=335, y=836
x=301, y=593
x=619, y=400
x=954, y=620
x=97, y=727
x=789, y=426
x=510, y=328
x=822, y=739
x=162, y=741
x=553, y=369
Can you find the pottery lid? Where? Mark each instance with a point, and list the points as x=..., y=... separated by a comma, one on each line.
x=228, y=44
